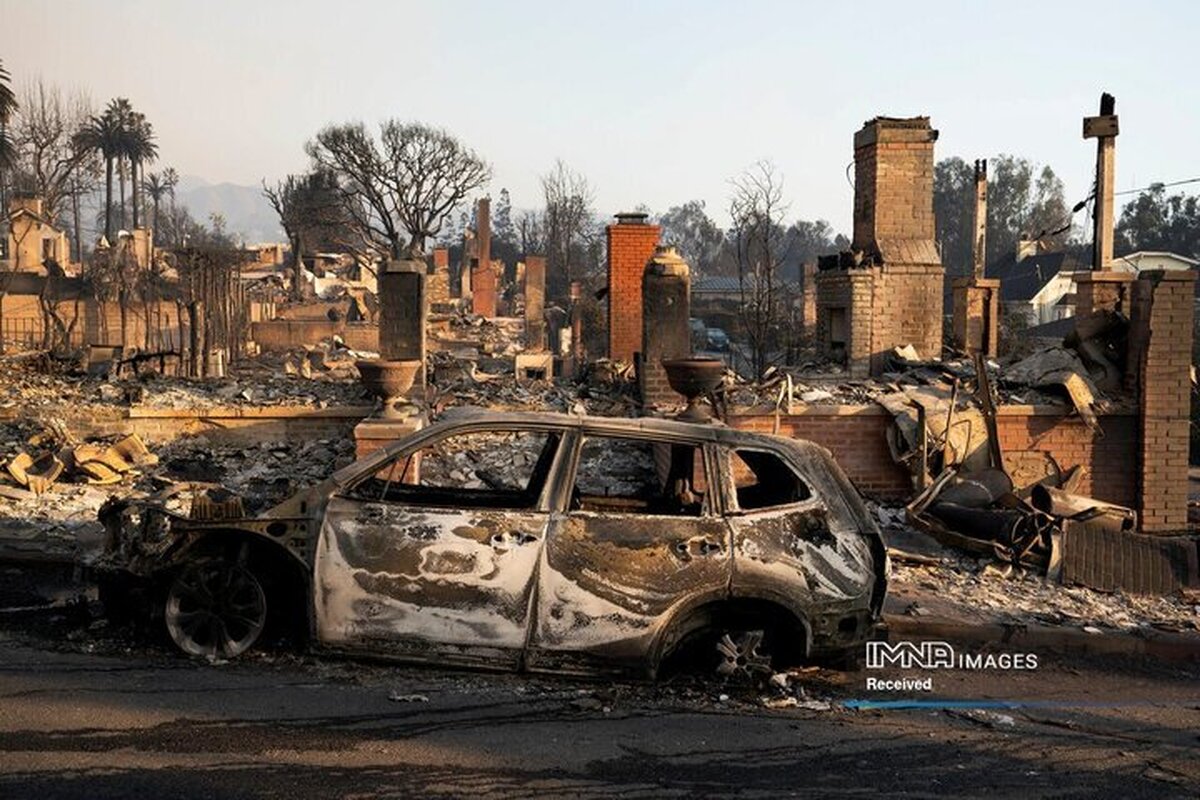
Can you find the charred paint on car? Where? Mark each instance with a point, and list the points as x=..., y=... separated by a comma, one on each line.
x=543, y=573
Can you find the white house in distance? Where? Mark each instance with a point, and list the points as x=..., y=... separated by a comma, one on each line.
x=1041, y=286
x=1153, y=259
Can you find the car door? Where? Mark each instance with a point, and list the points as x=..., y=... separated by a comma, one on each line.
x=794, y=541
x=639, y=540
x=433, y=557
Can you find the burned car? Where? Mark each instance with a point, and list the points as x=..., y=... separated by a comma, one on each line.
x=536, y=541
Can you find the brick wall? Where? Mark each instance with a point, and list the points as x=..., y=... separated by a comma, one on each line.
x=630, y=246
x=1165, y=390
x=1102, y=291
x=844, y=301
x=907, y=309
x=219, y=424
x=857, y=437
x=1025, y=433
x=279, y=335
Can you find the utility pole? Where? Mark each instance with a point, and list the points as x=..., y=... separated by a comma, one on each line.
x=1104, y=130
x=979, y=251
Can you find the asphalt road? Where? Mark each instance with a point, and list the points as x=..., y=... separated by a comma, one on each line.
x=85, y=714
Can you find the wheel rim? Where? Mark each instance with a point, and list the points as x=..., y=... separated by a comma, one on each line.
x=215, y=609
x=742, y=654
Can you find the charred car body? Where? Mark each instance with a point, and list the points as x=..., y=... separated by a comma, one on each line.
x=530, y=541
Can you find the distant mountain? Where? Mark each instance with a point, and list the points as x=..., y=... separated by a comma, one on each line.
x=247, y=213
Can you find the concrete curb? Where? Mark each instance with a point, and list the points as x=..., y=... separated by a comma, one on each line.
x=1045, y=639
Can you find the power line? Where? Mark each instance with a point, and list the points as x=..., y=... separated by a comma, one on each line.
x=1159, y=185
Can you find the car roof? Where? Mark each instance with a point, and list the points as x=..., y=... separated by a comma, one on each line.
x=475, y=418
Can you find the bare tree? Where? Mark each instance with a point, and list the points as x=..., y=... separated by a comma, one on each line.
x=407, y=182
x=566, y=225
x=310, y=213
x=531, y=237
x=760, y=244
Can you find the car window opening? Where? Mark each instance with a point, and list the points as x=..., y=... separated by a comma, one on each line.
x=482, y=469
x=639, y=477
x=764, y=480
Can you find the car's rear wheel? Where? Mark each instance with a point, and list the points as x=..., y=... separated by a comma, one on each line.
x=741, y=654
x=215, y=608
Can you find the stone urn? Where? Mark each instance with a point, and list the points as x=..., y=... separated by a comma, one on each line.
x=389, y=381
x=695, y=379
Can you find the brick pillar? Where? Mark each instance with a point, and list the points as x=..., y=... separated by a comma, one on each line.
x=977, y=315
x=535, y=303
x=483, y=289
x=402, y=312
x=808, y=303
x=666, y=306
x=1103, y=291
x=483, y=276
x=631, y=243
x=437, y=284
x=1165, y=398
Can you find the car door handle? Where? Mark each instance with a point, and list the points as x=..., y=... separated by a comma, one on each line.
x=518, y=538
x=698, y=546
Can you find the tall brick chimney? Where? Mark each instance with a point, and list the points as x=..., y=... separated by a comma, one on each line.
x=631, y=243
x=863, y=313
x=893, y=181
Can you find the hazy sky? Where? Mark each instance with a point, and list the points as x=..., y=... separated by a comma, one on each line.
x=655, y=102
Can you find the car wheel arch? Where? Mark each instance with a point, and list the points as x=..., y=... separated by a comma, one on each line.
x=712, y=612
x=286, y=578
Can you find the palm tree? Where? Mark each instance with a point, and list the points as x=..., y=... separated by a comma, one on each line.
x=104, y=134
x=159, y=185
x=140, y=149
x=121, y=112
x=8, y=151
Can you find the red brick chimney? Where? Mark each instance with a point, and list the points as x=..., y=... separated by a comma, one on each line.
x=631, y=243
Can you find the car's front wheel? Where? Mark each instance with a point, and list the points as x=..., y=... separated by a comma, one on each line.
x=215, y=608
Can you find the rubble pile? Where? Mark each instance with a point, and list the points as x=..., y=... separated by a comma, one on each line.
x=1023, y=596
x=499, y=336
x=29, y=384
x=62, y=508
x=606, y=390
x=817, y=383
x=262, y=475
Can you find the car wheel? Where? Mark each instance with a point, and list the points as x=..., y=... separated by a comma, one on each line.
x=741, y=655
x=216, y=609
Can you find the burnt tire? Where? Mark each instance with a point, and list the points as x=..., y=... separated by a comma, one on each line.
x=215, y=608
